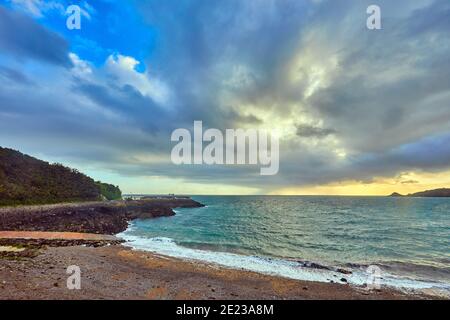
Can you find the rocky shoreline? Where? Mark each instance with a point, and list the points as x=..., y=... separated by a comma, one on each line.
x=110, y=217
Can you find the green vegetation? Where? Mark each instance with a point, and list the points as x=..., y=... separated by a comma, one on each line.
x=27, y=180
x=109, y=191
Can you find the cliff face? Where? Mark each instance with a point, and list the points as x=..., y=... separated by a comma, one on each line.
x=27, y=180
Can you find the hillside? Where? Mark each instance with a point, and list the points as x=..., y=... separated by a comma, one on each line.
x=443, y=192
x=27, y=180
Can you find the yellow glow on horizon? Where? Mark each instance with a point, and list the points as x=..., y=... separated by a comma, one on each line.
x=405, y=183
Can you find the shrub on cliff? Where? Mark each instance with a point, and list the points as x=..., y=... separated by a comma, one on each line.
x=109, y=191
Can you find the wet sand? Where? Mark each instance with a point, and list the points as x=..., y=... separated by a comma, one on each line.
x=117, y=272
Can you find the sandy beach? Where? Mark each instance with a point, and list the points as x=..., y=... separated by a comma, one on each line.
x=117, y=272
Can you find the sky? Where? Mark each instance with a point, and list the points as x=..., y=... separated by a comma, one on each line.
x=359, y=111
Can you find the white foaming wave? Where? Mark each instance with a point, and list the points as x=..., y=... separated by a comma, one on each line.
x=168, y=247
x=179, y=211
x=273, y=266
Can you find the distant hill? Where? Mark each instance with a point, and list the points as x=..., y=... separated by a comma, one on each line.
x=27, y=180
x=396, y=194
x=443, y=192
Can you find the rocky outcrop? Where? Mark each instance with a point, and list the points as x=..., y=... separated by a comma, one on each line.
x=396, y=194
x=94, y=217
x=443, y=192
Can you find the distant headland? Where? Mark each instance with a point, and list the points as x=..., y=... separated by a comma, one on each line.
x=442, y=192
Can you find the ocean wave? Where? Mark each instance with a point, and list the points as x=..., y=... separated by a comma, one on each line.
x=299, y=270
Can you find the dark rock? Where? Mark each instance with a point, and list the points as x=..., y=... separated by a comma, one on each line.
x=94, y=217
x=344, y=271
x=396, y=194
x=313, y=265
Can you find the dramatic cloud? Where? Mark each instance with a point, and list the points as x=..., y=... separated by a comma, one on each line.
x=350, y=103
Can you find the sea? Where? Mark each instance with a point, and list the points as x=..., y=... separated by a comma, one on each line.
x=365, y=241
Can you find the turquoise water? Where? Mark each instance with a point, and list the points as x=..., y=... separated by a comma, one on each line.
x=407, y=238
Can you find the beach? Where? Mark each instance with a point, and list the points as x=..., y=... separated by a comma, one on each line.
x=39, y=243
x=117, y=272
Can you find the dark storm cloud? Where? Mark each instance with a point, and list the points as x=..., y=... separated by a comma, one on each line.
x=410, y=182
x=308, y=131
x=23, y=38
x=202, y=41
